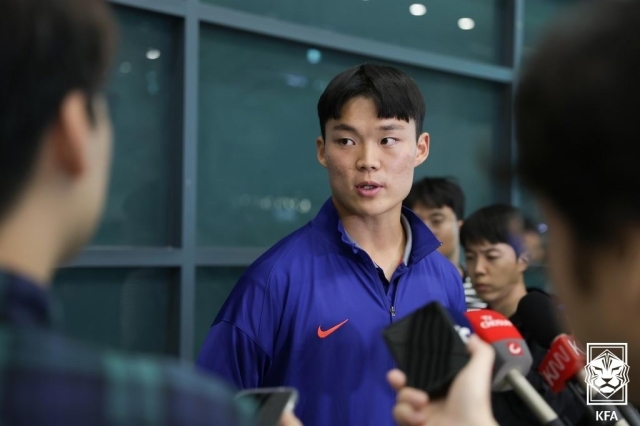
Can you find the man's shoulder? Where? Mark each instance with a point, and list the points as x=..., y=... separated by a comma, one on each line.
x=120, y=386
x=291, y=254
x=435, y=263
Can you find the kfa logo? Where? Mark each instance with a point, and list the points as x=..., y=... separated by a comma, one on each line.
x=607, y=374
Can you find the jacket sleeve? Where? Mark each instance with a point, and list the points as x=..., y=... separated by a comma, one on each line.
x=230, y=354
x=239, y=343
x=455, y=289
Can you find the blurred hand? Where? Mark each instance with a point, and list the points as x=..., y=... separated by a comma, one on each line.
x=289, y=419
x=468, y=402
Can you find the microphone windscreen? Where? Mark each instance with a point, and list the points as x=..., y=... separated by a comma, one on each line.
x=427, y=346
x=538, y=317
x=511, y=351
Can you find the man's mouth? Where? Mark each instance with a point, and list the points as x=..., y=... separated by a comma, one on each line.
x=368, y=185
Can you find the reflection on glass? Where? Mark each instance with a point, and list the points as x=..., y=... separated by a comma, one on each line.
x=142, y=92
x=135, y=310
x=430, y=26
x=259, y=178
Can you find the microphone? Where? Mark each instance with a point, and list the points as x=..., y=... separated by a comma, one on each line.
x=563, y=366
x=513, y=361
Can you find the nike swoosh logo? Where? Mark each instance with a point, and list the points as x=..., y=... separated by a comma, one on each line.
x=322, y=334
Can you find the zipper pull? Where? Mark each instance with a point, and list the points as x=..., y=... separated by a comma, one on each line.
x=393, y=311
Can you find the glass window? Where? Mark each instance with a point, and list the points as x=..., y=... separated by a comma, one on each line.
x=144, y=93
x=213, y=286
x=135, y=310
x=259, y=178
x=471, y=29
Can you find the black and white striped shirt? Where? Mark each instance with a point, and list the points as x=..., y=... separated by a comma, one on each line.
x=470, y=295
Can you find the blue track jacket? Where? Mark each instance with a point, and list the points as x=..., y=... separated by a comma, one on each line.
x=309, y=314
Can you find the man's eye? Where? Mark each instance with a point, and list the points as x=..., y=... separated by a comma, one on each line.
x=346, y=141
x=389, y=141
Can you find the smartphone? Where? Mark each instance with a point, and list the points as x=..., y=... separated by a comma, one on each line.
x=271, y=403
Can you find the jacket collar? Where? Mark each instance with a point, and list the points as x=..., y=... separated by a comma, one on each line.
x=330, y=226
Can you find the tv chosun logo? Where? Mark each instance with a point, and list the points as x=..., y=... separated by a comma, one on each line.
x=607, y=374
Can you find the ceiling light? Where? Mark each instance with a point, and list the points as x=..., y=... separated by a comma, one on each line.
x=153, y=54
x=417, y=9
x=466, y=23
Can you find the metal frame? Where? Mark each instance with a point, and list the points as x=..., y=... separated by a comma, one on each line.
x=188, y=257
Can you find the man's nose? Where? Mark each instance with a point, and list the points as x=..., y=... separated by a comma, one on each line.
x=368, y=158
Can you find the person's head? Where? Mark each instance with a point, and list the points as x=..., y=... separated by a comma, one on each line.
x=494, y=252
x=371, y=123
x=533, y=242
x=576, y=122
x=54, y=127
x=439, y=202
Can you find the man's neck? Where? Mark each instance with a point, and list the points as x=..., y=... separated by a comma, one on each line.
x=508, y=305
x=28, y=244
x=380, y=234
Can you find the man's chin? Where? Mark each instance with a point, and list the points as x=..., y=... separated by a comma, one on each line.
x=370, y=207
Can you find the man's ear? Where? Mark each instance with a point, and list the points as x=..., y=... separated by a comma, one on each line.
x=70, y=134
x=422, y=149
x=322, y=159
x=523, y=262
x=460, y=223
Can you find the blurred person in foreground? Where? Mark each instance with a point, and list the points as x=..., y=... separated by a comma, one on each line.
x=439, y=202
x=55, y=150
x=576, y=120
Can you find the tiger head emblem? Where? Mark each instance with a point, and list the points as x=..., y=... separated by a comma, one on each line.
x=607, y=374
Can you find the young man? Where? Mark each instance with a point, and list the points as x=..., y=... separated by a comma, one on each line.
x=55, y=148
x=439, y=202
x=576, y=121
x=496, y=257
x=309, y=313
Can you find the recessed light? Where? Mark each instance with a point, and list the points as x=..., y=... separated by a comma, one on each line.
x=417, y=9
x=466, y=23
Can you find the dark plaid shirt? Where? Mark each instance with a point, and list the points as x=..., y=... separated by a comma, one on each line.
x=48, y=379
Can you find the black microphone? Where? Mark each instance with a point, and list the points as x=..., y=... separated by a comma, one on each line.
x=564, y=364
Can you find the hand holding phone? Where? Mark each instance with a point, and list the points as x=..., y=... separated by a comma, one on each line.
x=271, y=404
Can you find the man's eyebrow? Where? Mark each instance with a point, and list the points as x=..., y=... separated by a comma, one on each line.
x=345, y=127
x=491, y=250
x=388, y=127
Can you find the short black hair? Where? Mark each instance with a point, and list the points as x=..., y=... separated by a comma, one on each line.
x=498, y=223
x=576, y=113
x=48, y=48
x=395, y=94
x=437, y=192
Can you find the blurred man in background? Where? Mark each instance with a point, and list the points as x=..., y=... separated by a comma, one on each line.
x=534, y=242
x=496, y=256
x=439, y=202
x=309, y=313
x=576, y=120
x=55, y=150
